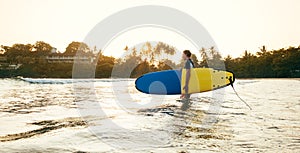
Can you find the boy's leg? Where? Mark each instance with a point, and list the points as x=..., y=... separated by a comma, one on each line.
x=186, y=102
x=187, y=96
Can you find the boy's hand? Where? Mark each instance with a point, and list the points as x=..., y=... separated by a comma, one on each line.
x=185, y=88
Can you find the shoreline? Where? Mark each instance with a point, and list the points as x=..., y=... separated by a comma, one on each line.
x=20, y=77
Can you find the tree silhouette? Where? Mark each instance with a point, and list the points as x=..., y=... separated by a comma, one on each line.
x=42, y=48
x=76, y=47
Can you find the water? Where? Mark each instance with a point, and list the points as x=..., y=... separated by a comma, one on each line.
x=109, y=115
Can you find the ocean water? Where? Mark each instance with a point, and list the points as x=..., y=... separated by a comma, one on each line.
x=110, y=115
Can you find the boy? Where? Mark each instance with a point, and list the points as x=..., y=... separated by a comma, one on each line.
x=188, y=65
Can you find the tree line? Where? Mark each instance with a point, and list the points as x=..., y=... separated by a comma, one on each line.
x=151, y=57
x=281, y=63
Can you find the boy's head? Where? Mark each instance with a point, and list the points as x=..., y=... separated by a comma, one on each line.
x=186, y=54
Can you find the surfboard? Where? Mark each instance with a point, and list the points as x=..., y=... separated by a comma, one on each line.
x=205, y=79
x=171, y=82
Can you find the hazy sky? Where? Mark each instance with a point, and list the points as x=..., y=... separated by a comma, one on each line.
x=235, y=25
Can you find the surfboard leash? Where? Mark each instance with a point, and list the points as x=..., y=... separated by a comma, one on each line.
x=231, y=83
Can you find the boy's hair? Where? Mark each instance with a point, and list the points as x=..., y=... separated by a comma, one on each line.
x=187, y=53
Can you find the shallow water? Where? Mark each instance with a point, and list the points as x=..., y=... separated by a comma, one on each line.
x=109, y=115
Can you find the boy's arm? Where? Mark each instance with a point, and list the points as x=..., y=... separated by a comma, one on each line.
x=188, y=72
x=187, y=79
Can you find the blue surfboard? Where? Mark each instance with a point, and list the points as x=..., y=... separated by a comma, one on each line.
x=163, y=83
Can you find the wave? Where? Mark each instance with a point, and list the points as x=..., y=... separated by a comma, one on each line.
x=68, y=81
x=246, y=81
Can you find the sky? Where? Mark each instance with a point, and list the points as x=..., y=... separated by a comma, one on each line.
x=234, y=25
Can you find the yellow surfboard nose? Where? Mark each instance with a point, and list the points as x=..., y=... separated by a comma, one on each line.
x=205, y=79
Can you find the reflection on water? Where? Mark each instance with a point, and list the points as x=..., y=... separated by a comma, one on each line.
x=46, y=126
x=48, y=117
